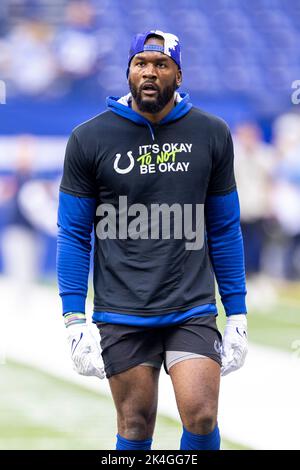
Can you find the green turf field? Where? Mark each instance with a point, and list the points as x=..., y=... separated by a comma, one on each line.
x=277, y=325
x=38, y=411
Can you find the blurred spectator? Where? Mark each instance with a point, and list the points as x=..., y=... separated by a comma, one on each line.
x=254, y=163
x=286, y=194
x=29, y=62
x=38, y=200
x=20, y=249
x=76, y=44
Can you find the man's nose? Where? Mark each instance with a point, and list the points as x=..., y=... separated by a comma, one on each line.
x=149, y=71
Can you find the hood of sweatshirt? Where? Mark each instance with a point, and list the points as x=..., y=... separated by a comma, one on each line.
x=122, y=107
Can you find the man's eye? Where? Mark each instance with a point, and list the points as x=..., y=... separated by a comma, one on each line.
x=161, y=65
x=140, y=64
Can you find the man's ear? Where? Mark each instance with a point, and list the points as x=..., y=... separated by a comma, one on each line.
x=178, y=78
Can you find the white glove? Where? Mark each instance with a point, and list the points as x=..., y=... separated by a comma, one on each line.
x=235, y=344
x=85, y=351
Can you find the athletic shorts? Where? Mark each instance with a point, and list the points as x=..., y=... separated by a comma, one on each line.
x=125, y=346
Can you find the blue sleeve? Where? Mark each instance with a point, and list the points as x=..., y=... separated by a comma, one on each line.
x=75, y=224
x=226, y=250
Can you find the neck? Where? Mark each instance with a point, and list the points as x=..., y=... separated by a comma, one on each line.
x=157, y=117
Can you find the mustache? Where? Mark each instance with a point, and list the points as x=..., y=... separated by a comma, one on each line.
x=150, y=86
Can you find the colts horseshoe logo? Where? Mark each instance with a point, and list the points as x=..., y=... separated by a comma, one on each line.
x=122, y=171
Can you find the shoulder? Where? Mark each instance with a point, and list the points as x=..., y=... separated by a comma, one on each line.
x=89, y=135
x=91, y=128
x=210, y=122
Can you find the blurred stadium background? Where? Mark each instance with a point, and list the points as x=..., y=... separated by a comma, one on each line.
x=59, y=60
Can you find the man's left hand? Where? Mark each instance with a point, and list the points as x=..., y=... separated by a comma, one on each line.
x=235, y=343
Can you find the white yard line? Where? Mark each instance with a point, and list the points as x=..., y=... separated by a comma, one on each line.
x=259, y=405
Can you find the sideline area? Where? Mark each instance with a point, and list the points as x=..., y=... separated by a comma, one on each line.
x=259, y=405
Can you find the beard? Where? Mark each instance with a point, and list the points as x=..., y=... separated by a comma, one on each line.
x=153, y=106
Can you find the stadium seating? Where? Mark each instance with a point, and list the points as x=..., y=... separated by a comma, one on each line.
x=232, y=49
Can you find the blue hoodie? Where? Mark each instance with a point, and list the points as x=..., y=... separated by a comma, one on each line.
x=122, y=107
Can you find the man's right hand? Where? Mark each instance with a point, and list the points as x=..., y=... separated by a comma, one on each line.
x=85, y=351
